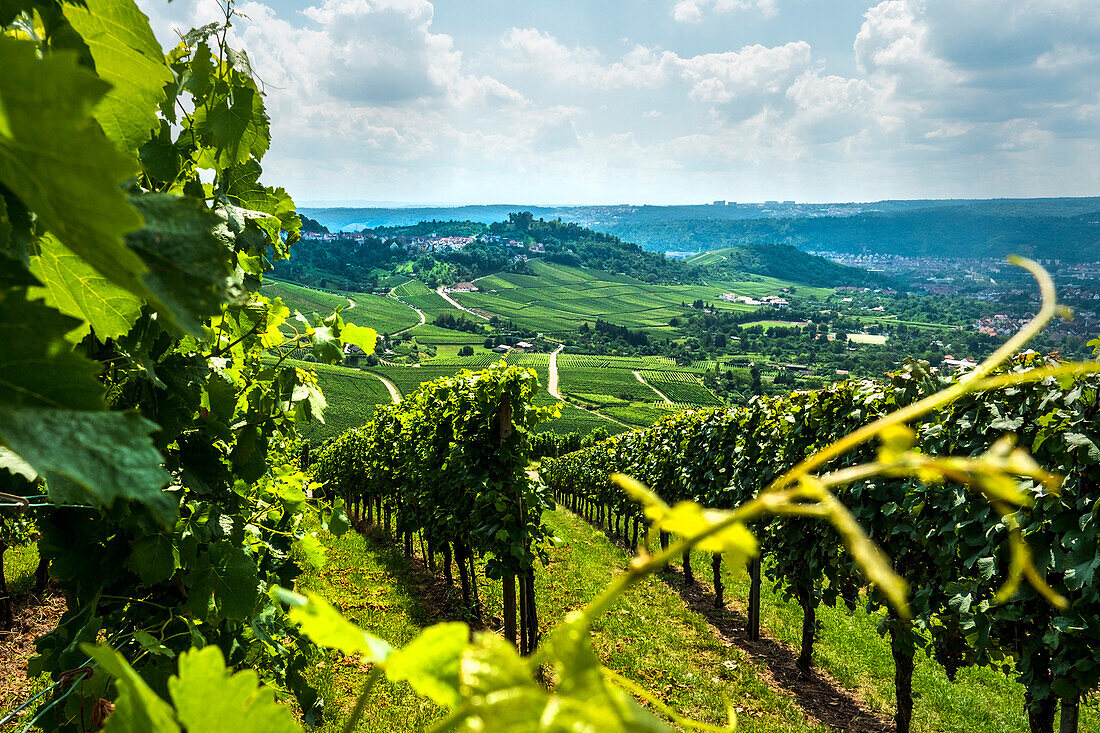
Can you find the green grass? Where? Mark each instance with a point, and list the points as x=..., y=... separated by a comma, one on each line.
x=368, y=581
x=19, y=566
x=648, y=635
x=851, y=650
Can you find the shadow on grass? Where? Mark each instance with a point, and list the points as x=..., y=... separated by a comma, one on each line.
x=820, y=696
x=437, y=600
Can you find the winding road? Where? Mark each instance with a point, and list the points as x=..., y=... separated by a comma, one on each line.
x=447, y=297
x=552, y=380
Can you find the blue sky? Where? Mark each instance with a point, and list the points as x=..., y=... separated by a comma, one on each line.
x=673, y=101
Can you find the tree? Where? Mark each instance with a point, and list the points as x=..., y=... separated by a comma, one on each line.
x=466, y=351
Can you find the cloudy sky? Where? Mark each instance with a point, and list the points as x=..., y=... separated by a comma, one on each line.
x=672, y=101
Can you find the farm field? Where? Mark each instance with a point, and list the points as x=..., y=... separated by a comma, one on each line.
x=557, y=299
x=352, y=396
x=867, y=338
x=419, y=295
x=682, y=388
x=384, y=315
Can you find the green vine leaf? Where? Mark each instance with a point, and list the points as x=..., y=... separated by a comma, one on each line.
x=209, y=697
x=73, y=287
x=107, y=456
x=138, y=709
x=127, y=55
x=58, y=162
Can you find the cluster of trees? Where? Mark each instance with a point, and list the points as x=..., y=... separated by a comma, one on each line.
x=459, y=323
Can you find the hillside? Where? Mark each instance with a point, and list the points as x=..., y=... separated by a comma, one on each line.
x=780, y=261
x=970, y=231
x=1066, y=228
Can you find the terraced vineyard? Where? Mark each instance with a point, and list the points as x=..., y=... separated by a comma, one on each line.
x=682, y=388
x=556, y=299
x=419, y=295
x=352, y=397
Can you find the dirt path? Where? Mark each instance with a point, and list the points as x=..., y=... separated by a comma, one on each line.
x=447, y=297
x=351, y=303
x=395, y=394
x=552, y=381
x=659, y=392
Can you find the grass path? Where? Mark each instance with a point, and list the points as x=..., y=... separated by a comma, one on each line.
x=649, y=635
x=423, y=318
x=660, y=394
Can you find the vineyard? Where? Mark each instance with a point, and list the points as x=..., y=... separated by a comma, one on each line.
x=196, y=563
x=955, y=555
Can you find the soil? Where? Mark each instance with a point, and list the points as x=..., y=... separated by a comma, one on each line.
x=34, y=616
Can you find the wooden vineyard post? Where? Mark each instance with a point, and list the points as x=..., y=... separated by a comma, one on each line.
x=509, y=580
x=719, y=591
x=689, y=578
x=753, y=627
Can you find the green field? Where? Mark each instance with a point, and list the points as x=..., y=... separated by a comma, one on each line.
x=419, y=295
x=556, y=299
x=384, y=315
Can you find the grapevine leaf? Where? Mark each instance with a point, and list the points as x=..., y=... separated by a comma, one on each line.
x=337, y=522
x=326, y=627
x=60, y=164
x=106, y=456
x=364, y=338
x=151, y=644
x=138, y=709
x=75, y=288
x=312, y=548
x=127, y=55
x=38, y=368
x=234, y=130
x=189, y=271
x=243, y=188
x=209, y=698
x=228, y=576
x=154, y=558
x=430, y=663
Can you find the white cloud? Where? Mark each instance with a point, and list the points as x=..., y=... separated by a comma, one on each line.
x=369, y=100
x=692, y=11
